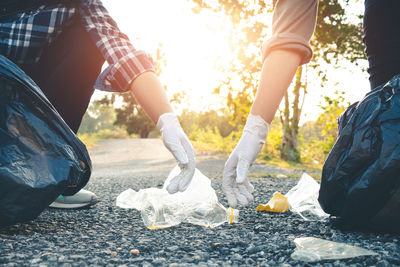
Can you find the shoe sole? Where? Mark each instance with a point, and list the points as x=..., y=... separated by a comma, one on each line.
x=72, y=206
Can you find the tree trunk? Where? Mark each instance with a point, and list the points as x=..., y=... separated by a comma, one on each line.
x=289, y=145
x=144, y=133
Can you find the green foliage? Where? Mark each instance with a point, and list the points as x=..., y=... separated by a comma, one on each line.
x=272, y=145
x=98, y=123
x=90, y=139
x=98, y=117
x=318, y=138
x=214, y=120
x=250, y=30
x=133, y=117
x=332, y=108
x=210, y=139
x=210, y=131
x=336, y=38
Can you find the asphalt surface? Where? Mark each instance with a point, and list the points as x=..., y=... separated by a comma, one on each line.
x=106, y=235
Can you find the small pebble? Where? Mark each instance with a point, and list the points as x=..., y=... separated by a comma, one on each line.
x=99, y=239
x=134, y=252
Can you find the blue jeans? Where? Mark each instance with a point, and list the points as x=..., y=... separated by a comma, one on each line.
x=67, y=71
x=382, y=39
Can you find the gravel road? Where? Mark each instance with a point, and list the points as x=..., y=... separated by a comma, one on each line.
x=106, y=235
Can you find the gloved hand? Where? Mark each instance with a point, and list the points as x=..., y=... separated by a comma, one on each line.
x=237, y=188
x=178, y=143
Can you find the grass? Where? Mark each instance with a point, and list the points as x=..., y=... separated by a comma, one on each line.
x=206, y=139
x=312, y=169
x=211, y=144
x=316, y=176
x=91, y=139
x=307, y=167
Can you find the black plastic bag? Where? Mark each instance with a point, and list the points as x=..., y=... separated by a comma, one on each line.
x=360, y=182
x=40, y=157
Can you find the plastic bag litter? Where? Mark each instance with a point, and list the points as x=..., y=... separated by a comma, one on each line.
x=311, y=249
x=303, y=199
x=41, y=157
x=360, y=181
x=198, y=204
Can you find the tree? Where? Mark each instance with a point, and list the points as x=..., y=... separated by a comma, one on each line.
x=214, y=120
x=133, y=117
x=99, y=117
x=335, y=39
x=318, y=137
x=332, y=108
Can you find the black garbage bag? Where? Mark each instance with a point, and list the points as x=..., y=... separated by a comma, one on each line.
x=360, y=182
x=40, y=157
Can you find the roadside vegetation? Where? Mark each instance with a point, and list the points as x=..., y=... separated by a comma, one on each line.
x=290, y=143
x=215, y=131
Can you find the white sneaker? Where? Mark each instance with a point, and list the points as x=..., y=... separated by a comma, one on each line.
x=81, y=199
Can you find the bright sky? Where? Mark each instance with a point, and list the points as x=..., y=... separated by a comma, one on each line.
x=191, y=43
x=194, y=44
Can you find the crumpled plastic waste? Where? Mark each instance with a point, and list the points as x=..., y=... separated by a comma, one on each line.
x=278, y=203
x=311, y=249
x=301, y=199
x=198, y=204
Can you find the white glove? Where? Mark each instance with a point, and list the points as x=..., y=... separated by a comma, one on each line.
x=178, y=143
x=234, y=183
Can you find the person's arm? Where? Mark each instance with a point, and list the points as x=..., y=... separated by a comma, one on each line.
x=288, y=48
x=132, y=70
x=277, y=73
x=151, y=96
x=149, y=93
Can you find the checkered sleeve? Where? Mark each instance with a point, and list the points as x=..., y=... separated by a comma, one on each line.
x=24, y=36
x=125, y=62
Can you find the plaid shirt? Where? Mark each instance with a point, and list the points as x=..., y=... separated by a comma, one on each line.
x=23, y=38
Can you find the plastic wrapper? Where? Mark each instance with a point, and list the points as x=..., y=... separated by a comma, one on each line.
x=303, y=199
x=360, y=182
x=278, y=203
x=311, y=249
x=40, y=157
x=198, y=204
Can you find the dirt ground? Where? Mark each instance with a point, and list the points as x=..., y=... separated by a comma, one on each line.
x=149, y=158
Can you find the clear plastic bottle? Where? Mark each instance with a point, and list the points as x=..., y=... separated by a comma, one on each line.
x=169, y=215
x=198, y=204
